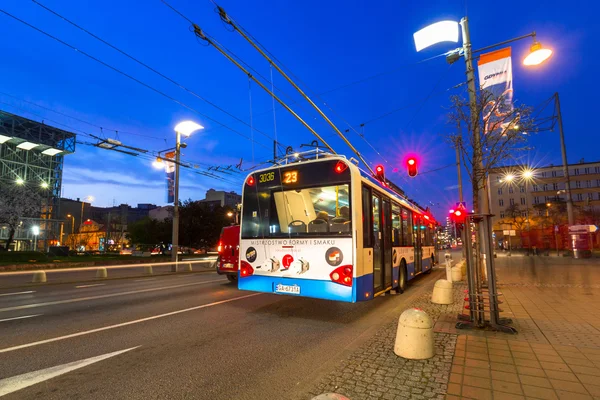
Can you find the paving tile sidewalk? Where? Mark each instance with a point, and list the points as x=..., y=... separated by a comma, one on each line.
x=375, y=372
x=555, y=355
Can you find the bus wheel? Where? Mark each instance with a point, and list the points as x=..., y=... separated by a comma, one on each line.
x=232, y=278
x=402, y=277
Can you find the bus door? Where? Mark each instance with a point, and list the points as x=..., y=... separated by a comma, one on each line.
x=387, y=243
x=382, y=244
x=377, y=244
x=418, y=245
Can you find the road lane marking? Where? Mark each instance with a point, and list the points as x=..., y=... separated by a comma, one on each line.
x=86, y=286
x=10, y=385
x=23, y=317
x=16, y=293
x=137, y=321
x=104, y=296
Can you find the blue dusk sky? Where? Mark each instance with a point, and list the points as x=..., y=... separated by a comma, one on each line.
x=328, y=45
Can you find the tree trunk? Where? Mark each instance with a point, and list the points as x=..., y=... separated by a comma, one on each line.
x=11, y=235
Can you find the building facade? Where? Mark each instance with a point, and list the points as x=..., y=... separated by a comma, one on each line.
x=222, y=198
x=31, y=156
x=530, y=200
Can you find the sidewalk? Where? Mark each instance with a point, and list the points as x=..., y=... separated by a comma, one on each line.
x=555, y=355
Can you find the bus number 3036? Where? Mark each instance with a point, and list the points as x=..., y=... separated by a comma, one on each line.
x=268, y=177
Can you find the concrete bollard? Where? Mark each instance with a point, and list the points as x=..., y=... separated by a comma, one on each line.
x=148, y=270
x=414, y=337
x=330, y=396
x=101, y=273
x=456, y=274
x=39, y=277
x=187, y=267
x=442, y=292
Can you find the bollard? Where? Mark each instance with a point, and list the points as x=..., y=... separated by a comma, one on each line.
x=414, y=337
x=39, y=277
x=187, y=267
x=101, y=273
x=148, y=270
x=330, y=396
x=442, y=292
x=457, y=274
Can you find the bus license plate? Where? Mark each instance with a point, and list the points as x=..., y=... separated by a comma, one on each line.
x=228, y=266
x=288, y=289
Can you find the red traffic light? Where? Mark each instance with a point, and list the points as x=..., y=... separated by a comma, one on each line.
x=411, y=165
x=380, y=173
x=459, y=214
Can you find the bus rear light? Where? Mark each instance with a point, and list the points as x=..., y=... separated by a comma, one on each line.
x=250, y=181
x=342, y=275
x=340, y=167
x=246, y=269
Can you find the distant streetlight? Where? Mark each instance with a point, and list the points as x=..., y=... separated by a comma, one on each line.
x=527, y=175
x=230, y=214
x=158, y=163
x=185, y=128
x=44, y=185
x=36, y=231
x=19, y=181
x=88, y=198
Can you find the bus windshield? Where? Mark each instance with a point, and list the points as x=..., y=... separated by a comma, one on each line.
x=317, y=205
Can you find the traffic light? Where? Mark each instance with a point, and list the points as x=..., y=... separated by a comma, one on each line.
x=458, y=214
x=411, y=165
x=380, y=173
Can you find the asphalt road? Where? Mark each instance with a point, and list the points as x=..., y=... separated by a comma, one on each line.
x=177, y=336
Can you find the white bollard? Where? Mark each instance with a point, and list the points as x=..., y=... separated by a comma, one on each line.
x=457, y=274
x=442, y=292
x=39, y=277
x=101, y=273
x=148, y=270
x=414, y=337
x=448, y=262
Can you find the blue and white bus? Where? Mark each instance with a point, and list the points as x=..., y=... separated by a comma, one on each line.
x=321, y=227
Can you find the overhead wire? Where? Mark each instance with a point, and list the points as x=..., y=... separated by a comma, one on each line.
x=171, y=80
x=79, y=119
x=129, y=76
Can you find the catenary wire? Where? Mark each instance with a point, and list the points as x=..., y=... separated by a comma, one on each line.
x=130, y=77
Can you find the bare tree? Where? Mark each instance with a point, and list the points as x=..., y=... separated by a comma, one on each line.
x=17, y=202
x=503, y=137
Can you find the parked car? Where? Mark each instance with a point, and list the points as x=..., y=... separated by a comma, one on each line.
x=229, y=252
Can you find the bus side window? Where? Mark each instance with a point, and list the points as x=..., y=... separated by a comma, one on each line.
x=407, y=230
x=366, y=217
x=396, y=225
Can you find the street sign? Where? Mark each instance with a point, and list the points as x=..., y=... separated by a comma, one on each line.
x=578, y=229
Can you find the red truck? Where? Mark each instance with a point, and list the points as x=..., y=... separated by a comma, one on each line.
x=229, y=252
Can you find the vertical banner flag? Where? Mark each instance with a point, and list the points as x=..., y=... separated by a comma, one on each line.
x=170, y=170
x=495, y=76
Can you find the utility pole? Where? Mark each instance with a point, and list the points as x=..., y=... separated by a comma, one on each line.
x=460, y=194
x=563, y=150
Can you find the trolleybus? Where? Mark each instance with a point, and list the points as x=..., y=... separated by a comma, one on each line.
x=321, y=227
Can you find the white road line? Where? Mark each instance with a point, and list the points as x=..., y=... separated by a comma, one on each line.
x=137, y=321
x=104, y=296
x=16, y=293
x=10, y=385
x=86, y=286
x=23, y=317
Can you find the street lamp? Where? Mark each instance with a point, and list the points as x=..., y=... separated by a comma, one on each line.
x=435, y=35
x=72, y=226
x=184, y=128
x=19, y=181
x=36, y=231
x=158, y=163
x=88, y=198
